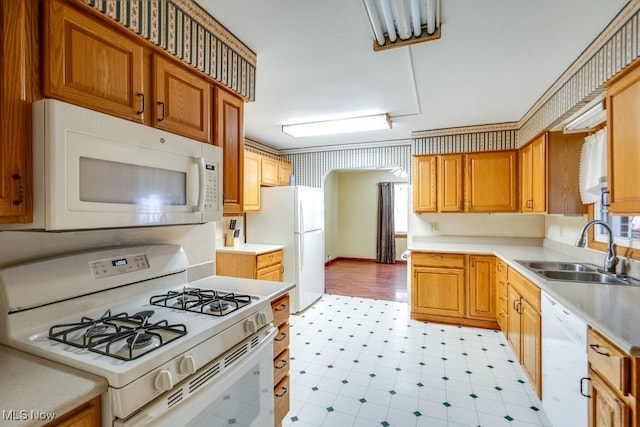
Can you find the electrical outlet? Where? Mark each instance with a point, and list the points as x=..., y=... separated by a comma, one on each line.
x=435, y=226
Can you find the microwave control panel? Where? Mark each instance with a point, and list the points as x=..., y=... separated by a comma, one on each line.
x=120, y=265
x=212, y=184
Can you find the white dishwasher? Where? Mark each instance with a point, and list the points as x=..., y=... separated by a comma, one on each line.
x=564, y=365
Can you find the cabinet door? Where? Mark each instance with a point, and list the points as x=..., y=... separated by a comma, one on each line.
x=491, y=182
x=19, y=86
x=526, y=166
x=482, y=299
x=513, y=320
x=269, y=174
x=623, y=111
x=450, y=182
x=605, y=408
x=284, y=173
x=91, y=64
x=424, y=184
x=182, y=100
x=531, y=358
x=539, y=174
x=273, y=273
x=251, y=181
x=438, y=291
x=229, y=134
x=501, y=293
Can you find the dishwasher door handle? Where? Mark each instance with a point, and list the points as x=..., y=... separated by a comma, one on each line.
x=582, y=387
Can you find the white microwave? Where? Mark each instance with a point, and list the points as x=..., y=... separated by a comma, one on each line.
x=92, y=170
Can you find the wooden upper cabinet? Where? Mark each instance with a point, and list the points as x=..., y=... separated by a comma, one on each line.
x=91, y=64
x=284, y=173
x=491, y=182
x=549, y=169
x=19, y=86
x=229, y=134
x=623, y=133
x=450, y=183
x=182, y=101
x=533, y=177
x=424, y=184
x=269, y=176
x=252, y=168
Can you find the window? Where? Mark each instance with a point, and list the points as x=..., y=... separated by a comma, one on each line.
x=626, y=229
x=401, y=205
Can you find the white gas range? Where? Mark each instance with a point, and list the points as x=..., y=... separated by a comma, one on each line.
x=171, y=350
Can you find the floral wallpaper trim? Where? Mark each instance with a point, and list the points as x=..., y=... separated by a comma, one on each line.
x=188, y=32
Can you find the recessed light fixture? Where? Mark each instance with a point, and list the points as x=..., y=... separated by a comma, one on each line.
x=330, y=127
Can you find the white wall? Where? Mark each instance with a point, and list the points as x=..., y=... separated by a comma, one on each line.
x=351, y=200
x=477, y=224
x=564, y=229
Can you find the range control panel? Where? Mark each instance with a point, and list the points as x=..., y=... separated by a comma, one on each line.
x=121, y=265
x=211, y=184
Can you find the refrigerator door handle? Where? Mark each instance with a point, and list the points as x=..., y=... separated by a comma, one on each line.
x=301, y=213
x=301, y=254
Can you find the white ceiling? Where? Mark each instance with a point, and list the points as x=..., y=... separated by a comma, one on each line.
x=495, y=59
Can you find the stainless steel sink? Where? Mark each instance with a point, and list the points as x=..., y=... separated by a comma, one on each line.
x=558, y=266
x=575, y=272
x=581, y=276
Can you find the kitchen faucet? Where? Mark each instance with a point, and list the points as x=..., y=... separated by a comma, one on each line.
x=611, y=260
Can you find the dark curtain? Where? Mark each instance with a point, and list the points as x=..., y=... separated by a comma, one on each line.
x=386, y=242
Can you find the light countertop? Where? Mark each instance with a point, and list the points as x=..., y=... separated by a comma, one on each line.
x=250, y=248
x=32, y=387
x=610, y=309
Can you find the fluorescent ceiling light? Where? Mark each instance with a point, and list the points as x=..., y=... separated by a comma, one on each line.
x=331, y=127
x=587, y=120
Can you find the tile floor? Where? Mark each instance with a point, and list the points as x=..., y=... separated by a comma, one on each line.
x=364, y=362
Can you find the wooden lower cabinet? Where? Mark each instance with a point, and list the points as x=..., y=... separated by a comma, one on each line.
x=524, y=323
x=606, y=409
x=267, y=266
x=85, y=415
x=500, y=279
x=614, y=384
x=280, y=309
x=444, y=290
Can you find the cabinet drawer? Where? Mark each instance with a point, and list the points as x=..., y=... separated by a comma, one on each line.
x=608, y=361
x=528, y=291
x=268, y=259
x=429, y=259
x=280, y=366
x=280, y=308
x=281, y=341
x=281, y=400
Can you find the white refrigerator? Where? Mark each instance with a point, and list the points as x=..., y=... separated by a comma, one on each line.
x=293, y=217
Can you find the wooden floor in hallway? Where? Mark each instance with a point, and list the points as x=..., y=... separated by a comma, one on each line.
x=366, y=279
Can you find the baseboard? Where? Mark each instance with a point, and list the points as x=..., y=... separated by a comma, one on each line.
x=363, y=260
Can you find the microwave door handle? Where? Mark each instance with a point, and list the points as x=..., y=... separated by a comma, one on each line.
x=202, y=184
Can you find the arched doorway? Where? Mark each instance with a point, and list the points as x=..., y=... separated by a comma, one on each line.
x=350, y=234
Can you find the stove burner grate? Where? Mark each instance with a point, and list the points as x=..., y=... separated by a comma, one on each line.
x=206, y=301
x=121, y=336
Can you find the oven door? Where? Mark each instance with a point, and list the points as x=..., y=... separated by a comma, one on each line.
x=239, y=394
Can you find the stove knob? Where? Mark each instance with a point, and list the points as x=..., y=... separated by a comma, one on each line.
x=250, y=326
x=262, y=319
x=187, y=365
x=163, y=381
